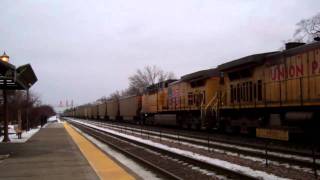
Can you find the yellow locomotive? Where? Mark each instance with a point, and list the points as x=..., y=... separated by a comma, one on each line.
x=181, y=102
x=273, y=95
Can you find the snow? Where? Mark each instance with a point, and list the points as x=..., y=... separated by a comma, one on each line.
x=24, y=136
x=255, y=159
x=53, y=119
x=262, y=151
x=217, y=162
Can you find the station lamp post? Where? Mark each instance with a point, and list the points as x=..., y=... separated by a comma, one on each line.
x=21, y=78
x=5, y=58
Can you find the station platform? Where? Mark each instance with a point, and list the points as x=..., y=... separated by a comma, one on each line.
x=58, y=152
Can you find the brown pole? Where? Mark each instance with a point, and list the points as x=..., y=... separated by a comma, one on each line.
x=5, y=113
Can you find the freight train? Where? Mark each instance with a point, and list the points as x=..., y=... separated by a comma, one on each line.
x=273, y=95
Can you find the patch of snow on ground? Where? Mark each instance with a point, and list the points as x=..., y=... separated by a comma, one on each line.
x=262, y=151
x=217, y=162
x=256, y=159
x=24, y=136
x=54, y=119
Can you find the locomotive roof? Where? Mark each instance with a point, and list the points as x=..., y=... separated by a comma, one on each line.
x=214, y=72
x=159, y=85
x=175, y=82
x=295, y=50
x=257, y=59
x=247, y=60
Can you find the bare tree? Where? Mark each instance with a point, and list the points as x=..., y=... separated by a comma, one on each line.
x=308, y=29
x=39, y=114
x=147, y=76
x=17, y=102
x=103, y=99
x=165, y=76
x=130, y=91
x=115, y=95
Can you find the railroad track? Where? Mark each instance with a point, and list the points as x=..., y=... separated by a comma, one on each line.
x=104, y=136
x=301, y=159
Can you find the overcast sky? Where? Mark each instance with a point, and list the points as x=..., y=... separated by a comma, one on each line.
x=86, y=49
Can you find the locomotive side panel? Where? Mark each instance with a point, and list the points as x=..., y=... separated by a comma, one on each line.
x=187, y=96
x=149, y=103
x=162, y=100
x=177, y=96
x=244, y=89
x=314, y=67
x=293, y=80
x=213, y=86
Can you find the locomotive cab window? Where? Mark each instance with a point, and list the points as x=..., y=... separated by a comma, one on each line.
x=231, y=94
x=243, y=93
x=197, y=83
x=250, y=91
x=204, y=97
x=222, y=78
x=254, y=91
x=234, y=93
x=245, y=73
x=238, y=92
x=190, y=98
x=259, y=90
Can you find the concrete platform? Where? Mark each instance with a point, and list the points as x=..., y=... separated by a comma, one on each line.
x=49, y=154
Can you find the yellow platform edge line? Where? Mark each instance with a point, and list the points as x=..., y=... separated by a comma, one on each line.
x=105, y=167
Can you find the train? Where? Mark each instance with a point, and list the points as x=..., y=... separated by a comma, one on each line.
x=273, y=95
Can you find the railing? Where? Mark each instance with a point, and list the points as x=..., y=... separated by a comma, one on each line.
x=212, y=106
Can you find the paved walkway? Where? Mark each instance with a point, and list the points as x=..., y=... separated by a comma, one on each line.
x=49, y=154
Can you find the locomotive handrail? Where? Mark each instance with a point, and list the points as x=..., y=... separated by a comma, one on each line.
x=215, y=107
x=204, y=110
x=211, y=101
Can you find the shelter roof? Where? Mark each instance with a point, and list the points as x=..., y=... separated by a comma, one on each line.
x=12, y=78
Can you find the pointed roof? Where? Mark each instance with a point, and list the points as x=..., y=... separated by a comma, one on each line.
x=5, y=55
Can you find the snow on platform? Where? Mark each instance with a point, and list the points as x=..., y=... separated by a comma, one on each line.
x=24, y=136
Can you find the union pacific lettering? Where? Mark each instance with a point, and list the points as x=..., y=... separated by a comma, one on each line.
x=315, y=67
x=281, y=72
